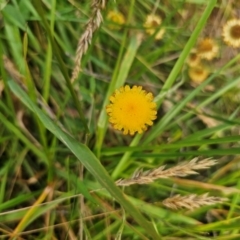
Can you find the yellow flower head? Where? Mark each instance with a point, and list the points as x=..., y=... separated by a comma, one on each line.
x=193, y=59
x=198, y=74
x=231, y=33
x=207, y=49
x=116, y=18
x=151, y=24
x=131, y=109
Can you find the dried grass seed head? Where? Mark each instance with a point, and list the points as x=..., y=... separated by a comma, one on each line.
x=231, y=33
x=152, y=24
x=191, y=201
x=181, y=170
x=84, y=41
x=131, y=109
x=207, y=48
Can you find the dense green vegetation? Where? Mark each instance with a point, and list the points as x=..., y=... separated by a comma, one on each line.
x=61, y=161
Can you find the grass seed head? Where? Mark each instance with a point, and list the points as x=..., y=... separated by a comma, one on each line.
x=191, y=201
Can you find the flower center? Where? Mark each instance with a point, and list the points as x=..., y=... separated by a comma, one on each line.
x=199, y=71
x=193, y=56
x=154, y=23
x=235, y=32
x=205, y=46
x=131, y=108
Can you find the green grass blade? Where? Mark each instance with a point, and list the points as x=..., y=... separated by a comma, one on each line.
x=176, y=145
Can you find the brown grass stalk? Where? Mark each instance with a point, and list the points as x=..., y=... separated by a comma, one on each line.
x=85, y=40
x=191, y=201
x=181, y=170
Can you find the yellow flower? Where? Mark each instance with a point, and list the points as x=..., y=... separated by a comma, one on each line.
x=116, y=18
x=152, y=24
x=231, y=33
x=193, y=59
x=207, y=49
x=131, y=109
x=198, y=74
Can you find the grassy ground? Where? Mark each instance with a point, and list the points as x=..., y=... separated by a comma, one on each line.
x=60, y=158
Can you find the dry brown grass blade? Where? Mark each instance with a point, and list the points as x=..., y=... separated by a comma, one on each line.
x=224, y=169
x=181, y=170
x=21, y=225
x=207, y=186
x=191, y=201
x=85, y=40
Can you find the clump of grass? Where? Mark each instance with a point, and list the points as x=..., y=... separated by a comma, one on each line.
x=42, y=181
